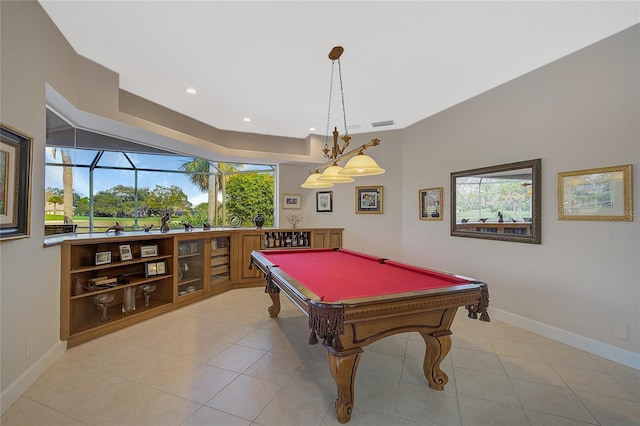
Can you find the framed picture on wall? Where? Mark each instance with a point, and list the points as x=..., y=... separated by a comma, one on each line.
x=15, y=183
x=596, y=194
x=430, y=203
x=291, y=201
x=369, y=199
x=324, y=201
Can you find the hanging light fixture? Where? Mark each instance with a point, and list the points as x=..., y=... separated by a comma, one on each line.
x=359, y=163
x=312, y=182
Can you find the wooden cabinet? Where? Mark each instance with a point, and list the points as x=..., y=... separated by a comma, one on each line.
x=189, y=266
x=249, y=241
x=219, y=262
x=184, y=267
x=326, y=238
x=95, y=267
x=513, y=228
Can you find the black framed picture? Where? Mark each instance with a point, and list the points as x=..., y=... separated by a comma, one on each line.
x=324, y=201
x=15, y=183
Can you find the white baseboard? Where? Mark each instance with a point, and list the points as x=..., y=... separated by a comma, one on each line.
x=26, y=379
x=613, y=353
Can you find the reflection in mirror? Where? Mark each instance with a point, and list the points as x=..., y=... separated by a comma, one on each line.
x=498, y=202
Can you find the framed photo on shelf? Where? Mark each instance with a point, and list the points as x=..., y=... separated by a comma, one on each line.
x=430, y=203
x=369, y=199
x=150, y=269
x=15, y=183
x=161, y=267
x=103, y=257
x=125, y=252
x=596, y=194
x=324, y=201
x=149, y=251
x=291, y=201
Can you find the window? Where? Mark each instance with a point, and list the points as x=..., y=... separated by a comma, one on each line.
x=93, y=180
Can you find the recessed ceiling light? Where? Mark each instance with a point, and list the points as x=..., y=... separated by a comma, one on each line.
x=312, y=129
x=191, y=91
x=246, y=120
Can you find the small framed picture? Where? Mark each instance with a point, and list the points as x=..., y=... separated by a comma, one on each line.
x=324, y=201
x=103, y=257
x=149, y=251
x=368, y=199
x=150, y=269
x=291, y=201
x=430, y=203
x=161, y=267
x=125, y=252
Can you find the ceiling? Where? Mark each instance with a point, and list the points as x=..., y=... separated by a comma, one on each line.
x=403, y=61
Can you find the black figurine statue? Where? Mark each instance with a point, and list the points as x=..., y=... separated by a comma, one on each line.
x=116, y=227
x=500, y=217
x=148, y=228
x=165, y=223
x=188, y=226
x=206, y=226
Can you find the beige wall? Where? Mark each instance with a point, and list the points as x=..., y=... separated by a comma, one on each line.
x=579, y=112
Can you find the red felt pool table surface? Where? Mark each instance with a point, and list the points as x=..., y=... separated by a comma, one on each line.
x=339, y=274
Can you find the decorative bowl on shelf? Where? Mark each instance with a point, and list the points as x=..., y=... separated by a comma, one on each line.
x=147, y=289
x=191, y=289
x=103, y=300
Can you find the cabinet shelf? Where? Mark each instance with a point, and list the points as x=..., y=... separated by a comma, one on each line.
x=83, y=269
x=184, y=256
x=133, y=282
x=115, y=315
x=189, y=281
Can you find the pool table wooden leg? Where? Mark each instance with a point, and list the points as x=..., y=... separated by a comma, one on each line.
x=437, y=348
x=343, y=369
x=274, y=309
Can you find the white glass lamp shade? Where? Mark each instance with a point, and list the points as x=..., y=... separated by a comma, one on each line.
x=332, y=174
x=312, y=182
x=361, y=165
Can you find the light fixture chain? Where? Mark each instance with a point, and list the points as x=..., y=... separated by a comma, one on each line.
x=326, y=134
x=344, y=111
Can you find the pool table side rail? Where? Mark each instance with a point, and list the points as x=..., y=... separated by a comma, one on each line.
x=474, y=296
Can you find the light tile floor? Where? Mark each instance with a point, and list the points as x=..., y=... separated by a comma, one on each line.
x=223, y=361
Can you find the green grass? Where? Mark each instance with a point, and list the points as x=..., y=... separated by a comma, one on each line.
x=100, y=223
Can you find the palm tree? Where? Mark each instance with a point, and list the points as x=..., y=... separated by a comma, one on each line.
x=210, y=179
x=67, y=184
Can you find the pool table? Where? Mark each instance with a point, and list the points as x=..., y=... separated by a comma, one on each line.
x=353, y=299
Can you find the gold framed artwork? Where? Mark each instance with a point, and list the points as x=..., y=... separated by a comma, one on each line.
x=15, y=183
x=368, y=199
x=430, y=203
x=291, y=201
x=603, y=193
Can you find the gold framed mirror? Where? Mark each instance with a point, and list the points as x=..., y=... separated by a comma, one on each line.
x=500, y=202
